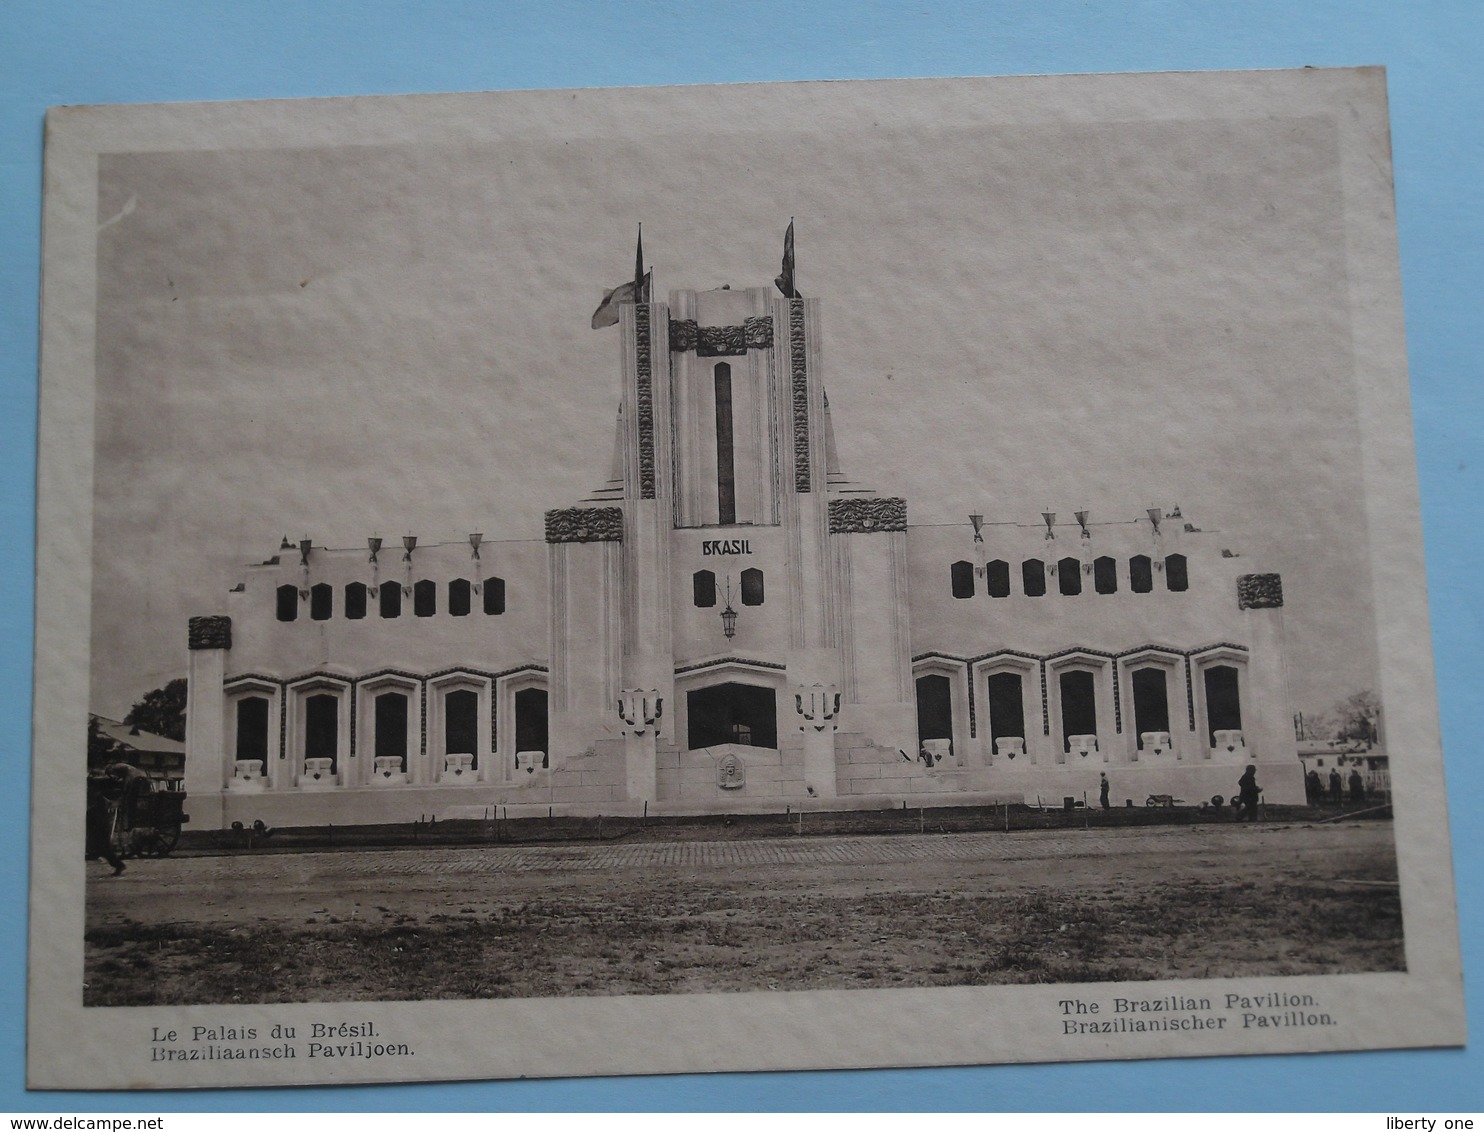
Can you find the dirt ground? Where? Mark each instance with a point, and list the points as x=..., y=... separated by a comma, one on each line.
x=785, y=914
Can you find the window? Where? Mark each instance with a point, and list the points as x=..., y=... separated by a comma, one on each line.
x=961, y=576
x=1033, y=577
x=531, y=721
x=288, y=603
x=1223, y=701
x=252, y=729
x=1006, y=708
x=1105, y=575
x=997, y=578
x=424, y=598
x=1151, y=702
x=726, y=483
x=1069, y=576
x=1175, y=576
x=934, y=708
x=458, y=598
x=391, y=599
x=1079, y=710
x=355, y=601
x=703, y=589
x=461, y=724
x=1140, y=574
x=752, y=587
x=391, y=727
x=322, y=728
x=494, y=596
x=321, y=600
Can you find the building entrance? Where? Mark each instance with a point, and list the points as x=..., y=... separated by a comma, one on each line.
x=732, y=713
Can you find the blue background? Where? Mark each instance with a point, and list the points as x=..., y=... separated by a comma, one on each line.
x=92, y=51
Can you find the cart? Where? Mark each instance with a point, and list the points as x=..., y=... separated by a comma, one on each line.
x=147, y=820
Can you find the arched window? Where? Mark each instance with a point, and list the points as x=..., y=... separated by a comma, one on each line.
x=1105, y=575
x=703, y=589
x=1069, y=576
x=252, y=729
x=961, y=577
x=355, y=601
x=458, y=598
x=752, y=586
x=321, y=599
x=494, y=596
x=726, y=481
x=461, y=724
x=391, y=599
x=391, y=727
x=1006, y=708
x=1223, y=701
x=288, y=603
x=1033, y=577
x=1140, y=574
x=424, y=598
x=1175, y=575
x=1151, y=702
x=997, y=578
x=1079, y=708
x=322, y=728
x=934, y=708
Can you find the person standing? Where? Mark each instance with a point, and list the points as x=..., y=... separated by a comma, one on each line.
x=1336, y=787
x=1357, y=787
x=1314, y=788
x=99, y=825
x=1103, y=790
x=1247, y=794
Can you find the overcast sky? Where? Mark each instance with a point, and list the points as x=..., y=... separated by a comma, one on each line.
x=334, y=342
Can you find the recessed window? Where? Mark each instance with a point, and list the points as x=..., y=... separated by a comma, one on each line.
x=961, y=578
x=703, y=589
x=461, y=724
x=1079, y=712
x=1033, y=577
x=494, y=596
x=752, y=587
x=1175, y=575
x=391, y=599
x=1140, y=574
x=997, y=578
x=252, y=729
x=458, y=598
x=355, y=601
x=1105, y=575
x=391, y=727
x=1223, y=701
x=1069, y=576
x=288, y=603
x=726, y=482
x=425, y=598
x=321, y=601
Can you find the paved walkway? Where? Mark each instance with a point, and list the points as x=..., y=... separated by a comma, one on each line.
x=800, y=851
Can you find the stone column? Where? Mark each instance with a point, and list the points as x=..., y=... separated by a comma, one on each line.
x=209, y=640
x=640, y=710
x=818, y=705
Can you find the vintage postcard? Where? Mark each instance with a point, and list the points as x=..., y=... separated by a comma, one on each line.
x=753, y=577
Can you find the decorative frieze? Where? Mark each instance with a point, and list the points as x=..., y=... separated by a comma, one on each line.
x=800, y=369
x=1260, y=591
x=755, y=333
x=213, y=632
x=644, y=379
x=585, y=524
x=867, y=516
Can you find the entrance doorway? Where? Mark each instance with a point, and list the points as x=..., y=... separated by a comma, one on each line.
x=732, y=713
x=531, y=722
x=934, y=708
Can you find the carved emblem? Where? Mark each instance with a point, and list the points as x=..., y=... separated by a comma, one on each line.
x=1260, y=591
x=758, y=332
x=867, y=516
x=720, y=341
x=682, y=334
x=585, y=524
x=210, y=633
x=755, y=333
x=731, y=772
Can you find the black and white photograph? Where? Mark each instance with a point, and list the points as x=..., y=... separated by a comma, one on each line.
x=632, y=580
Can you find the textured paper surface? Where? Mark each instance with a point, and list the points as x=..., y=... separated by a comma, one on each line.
x=917, y=200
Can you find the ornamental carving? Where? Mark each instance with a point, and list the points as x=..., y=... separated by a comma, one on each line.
x=644, y=380
x=720, y=341
x=585, y=524
x=800, y=368
x=210, y=633
x=758, y=332
x=682, y=334
x=1260, y=591
x=755, y=333
x=867, y=516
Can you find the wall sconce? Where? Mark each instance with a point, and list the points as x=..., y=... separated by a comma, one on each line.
x=1082, y=522
x=1050, y=517
x=474, y=540
x=728, y=614
x=1154, y=517
x=409, y=544
x=374, y=544
x=304, y=548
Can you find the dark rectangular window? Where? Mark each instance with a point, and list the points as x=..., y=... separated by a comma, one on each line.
x=458, y=597
x=321, y=598
x=1033, y=577
x=1140, y=574
x=1069, y=576
x=703, y=589
x=425, y=598
x=1105, y=575
x=252, y=728
x=494, y=596
x=726, y=483
x=997, y=578
x=391, y=599
x=752, y=587
x=288, y=603
x=961, y=579
x=355, y=601
x=1175, y=575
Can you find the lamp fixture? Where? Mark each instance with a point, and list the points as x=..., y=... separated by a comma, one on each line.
x=1050, y=517
x=374, y=545
x=304, y=548
x=475, y=539
x=1082, y=522
x=1155, y=514
x=409, y=544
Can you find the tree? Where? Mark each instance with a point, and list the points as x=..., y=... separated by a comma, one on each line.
x=101, y=749
x=1357, y=716
x=162, y=711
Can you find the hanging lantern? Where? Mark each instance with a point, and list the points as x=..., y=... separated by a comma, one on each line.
x=729, y=621
x=1082, y=522
x=1050, y=517
x=1154, y=517
x=374, y=545
x=474, y=540
x=304, y=548
x=409, y=544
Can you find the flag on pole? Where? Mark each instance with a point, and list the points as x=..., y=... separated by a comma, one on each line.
x=785, y=281
x=634, y=291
